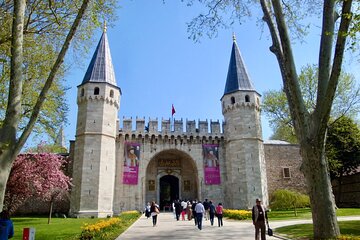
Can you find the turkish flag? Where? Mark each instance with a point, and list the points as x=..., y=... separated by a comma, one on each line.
x=172, y=110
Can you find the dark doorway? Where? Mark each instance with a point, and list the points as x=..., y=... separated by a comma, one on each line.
x=169, y=190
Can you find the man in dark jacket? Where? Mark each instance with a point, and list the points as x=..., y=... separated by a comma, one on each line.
x=259, y=217
x=178, y=209
x=207, y=207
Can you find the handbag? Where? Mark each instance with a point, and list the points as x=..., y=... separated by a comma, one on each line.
x=269, y=230
x=157, y=210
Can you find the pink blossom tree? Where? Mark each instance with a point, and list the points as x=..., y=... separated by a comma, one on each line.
x=36, y=175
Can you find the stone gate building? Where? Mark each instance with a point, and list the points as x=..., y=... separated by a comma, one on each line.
x=116, y=169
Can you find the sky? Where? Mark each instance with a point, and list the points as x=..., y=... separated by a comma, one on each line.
x=156, y=65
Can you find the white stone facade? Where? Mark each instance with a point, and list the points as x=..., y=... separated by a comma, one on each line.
x=170, y=157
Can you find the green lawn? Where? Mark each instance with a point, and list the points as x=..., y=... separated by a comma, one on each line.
x=305, y=213
x=348, y=229
x=59, y=228
x=69, y=228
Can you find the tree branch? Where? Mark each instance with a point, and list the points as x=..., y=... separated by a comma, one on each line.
x=13, y=110
x=346, y=16
x=25, y=134
x=325, y=51
x=297, y=106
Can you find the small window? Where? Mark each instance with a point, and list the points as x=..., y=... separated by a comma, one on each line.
x=82, y=92
x=247, y=98
x=286, y=173
x=232, y=100
x=96, y=91
x=111, y=93
x=151, y=185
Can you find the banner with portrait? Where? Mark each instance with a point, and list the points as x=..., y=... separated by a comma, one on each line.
x=131, y=163
x=211, y=164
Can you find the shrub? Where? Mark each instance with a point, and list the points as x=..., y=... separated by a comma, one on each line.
x=283, y=199
x=237, y=214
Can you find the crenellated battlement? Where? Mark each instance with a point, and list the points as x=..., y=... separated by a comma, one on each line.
x=171, y=127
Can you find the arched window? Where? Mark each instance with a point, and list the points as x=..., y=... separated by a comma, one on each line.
x=247, y=98
x=96, y=91
x=82, y=92
x=232, y=100
x=111, y=93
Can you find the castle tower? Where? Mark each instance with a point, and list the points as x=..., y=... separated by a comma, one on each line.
x=245, y=161
x=98, y=100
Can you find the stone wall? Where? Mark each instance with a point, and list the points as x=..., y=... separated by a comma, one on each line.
x=280, y=155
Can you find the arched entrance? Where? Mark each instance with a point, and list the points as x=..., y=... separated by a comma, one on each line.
x=169, y=190
x=171, y=174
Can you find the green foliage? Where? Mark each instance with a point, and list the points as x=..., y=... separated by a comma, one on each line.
x=284, y=132
x=46, y=26
x=343, y=147
x=276, y=108
x=44, y=147
x=284, y=199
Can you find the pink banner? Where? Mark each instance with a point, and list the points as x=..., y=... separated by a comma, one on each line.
x=131, y=163
x=211, y=164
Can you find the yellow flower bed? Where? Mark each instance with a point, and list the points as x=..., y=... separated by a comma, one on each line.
x=237, y=214
x=130, y=212
x=89, y=231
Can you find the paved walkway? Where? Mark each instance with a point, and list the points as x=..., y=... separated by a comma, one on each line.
x=168, y=228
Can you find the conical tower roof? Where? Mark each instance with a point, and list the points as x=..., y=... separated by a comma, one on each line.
x=237, y=77
x=101, y=68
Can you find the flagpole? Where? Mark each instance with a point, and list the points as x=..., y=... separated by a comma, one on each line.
x=172, y=117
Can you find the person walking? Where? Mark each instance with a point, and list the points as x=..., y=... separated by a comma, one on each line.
x=259, y=216
x=219, y=214
x=200, y=210
x=6, y=226
x=178, y=209
x=211, y=212
x=154, y=211
x=183, y=209
x=147, y=210
x=193, y=211
x=173, y=209
x=206, y=206
x=188, y=211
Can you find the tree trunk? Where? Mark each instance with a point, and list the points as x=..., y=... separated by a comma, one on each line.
x=50, y=210
x=9, y=145
x=5, y=168
x=319, y=186
x=8, y=130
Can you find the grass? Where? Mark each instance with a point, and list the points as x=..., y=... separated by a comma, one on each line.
x=348, y=229
x=64, y=228
x=305, y=213
x=302, y=213
x=59, y=228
